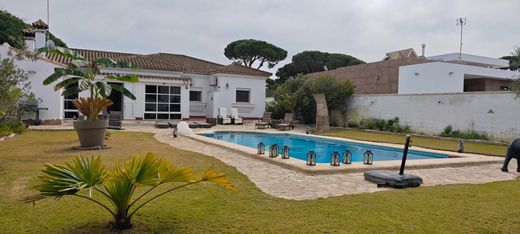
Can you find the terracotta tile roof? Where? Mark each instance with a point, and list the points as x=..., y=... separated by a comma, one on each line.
x=89, y=55
x=165, y=62
x=240, y=70
x=153, y=77
x=39, y=24
x=406, y=53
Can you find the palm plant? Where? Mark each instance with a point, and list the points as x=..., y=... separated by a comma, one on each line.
x=83, y=73
x=118, y=185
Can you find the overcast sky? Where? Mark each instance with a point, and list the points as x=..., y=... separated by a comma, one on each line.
x=203, y=28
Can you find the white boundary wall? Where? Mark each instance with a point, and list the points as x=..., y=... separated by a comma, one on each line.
x=494, y=113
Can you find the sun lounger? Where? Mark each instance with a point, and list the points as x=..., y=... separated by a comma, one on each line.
x=193, y=125
x=161, y=124
x=223, y=117
x=235, y=118
x=265, y=122
x=287, y=122
x=202, y=124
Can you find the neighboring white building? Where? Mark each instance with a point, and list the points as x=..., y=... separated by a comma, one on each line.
x=171, y=86
x=452, y=73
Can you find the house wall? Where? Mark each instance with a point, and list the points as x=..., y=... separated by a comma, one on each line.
x=37, y=71
x=225, y=95
x=494, y=113
x=372, y=78
x=441, y=77
x=200, y=83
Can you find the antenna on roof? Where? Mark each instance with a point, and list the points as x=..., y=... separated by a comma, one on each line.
x=461, y=22
x=48, y=22
x=49, y=43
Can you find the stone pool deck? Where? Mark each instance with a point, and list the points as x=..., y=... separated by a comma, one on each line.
x=291, y=184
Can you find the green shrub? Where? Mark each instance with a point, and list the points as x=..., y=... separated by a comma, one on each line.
x=10, y=126
x=391, y=125
x=296, y=95
x=449, y=132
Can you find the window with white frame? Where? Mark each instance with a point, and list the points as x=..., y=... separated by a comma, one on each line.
x=69, y=110
x=243, y=95
x=162, y=102
x=195, y=96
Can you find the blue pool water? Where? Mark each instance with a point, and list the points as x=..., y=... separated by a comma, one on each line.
x=300, y=145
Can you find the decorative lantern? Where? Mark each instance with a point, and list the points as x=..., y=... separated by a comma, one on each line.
x=334, y=159
x=347, y=157
x=285, y=152
x=368, y=158
x=261, y=148
x=311, y=158
x=273, y=151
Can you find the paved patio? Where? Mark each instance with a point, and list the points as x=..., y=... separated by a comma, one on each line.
x=289, y=184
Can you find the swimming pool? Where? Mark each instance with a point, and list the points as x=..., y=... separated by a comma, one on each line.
x=300, y=145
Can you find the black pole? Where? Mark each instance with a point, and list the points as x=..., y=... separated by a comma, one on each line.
x=405, y=154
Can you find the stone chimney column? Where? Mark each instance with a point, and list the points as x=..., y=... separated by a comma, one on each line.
x=28, y=36
x=40, y=34
x=39, y=38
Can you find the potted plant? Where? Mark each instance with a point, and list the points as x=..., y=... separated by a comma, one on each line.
x=82, y=75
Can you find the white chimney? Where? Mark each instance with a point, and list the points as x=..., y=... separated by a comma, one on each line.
x=39, y=38
x=28, y=36
x=40, y=33
x=423, y=48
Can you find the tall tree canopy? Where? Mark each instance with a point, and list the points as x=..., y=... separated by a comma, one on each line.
x=314, y=61
x=249, y=51
x=514, y=59
x=11, y=31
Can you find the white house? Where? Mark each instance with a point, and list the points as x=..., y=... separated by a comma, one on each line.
x=171, y=86
x=455, y=73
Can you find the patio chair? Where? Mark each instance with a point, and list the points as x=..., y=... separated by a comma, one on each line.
x=265, y=121
x=235, y=118
x=223, y=117
x=287, y=122
x=115, y=120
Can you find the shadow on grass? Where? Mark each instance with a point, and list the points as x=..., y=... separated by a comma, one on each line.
x=106, y=227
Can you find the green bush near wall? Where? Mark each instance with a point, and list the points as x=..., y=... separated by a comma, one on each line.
x=389, y=125
x=449, y=132
x=11, y=126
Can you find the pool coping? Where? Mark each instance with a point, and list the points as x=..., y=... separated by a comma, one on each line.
x=454, y=159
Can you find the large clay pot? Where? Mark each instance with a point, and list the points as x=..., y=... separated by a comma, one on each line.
x=91, y=133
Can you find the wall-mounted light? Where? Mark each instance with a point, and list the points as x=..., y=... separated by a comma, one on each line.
x=186, y=83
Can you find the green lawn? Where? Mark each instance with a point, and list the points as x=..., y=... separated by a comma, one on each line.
x=493, y=207
x=422, y=141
